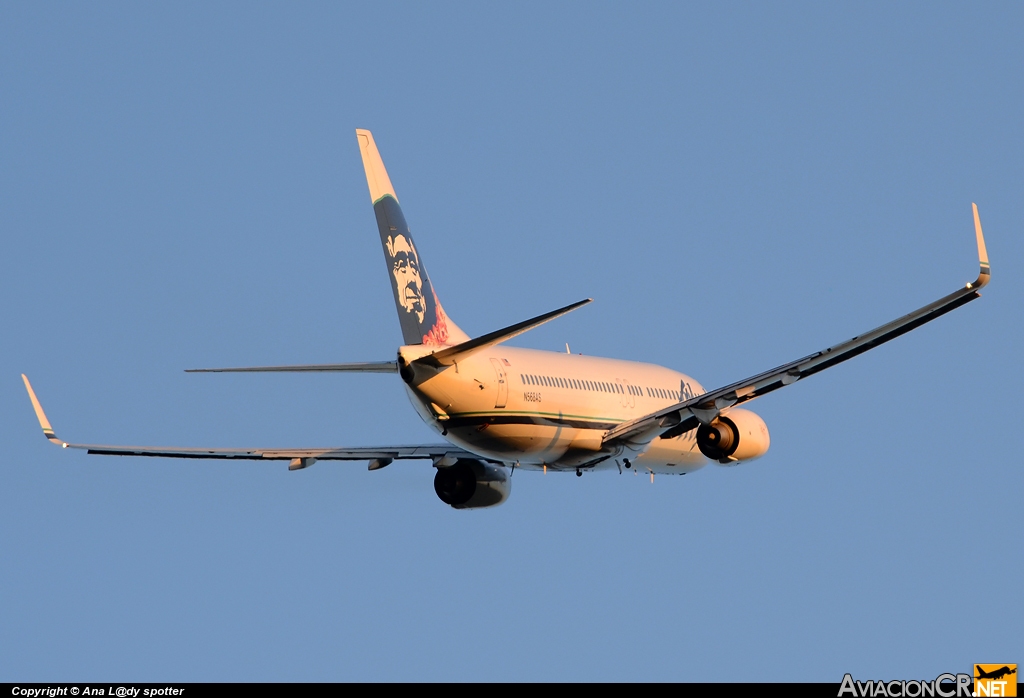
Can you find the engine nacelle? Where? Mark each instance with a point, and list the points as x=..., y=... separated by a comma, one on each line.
x=736, y=436
x=472, y=484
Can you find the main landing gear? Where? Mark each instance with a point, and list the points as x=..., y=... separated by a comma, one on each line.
x=626, y=462
x=579, y=473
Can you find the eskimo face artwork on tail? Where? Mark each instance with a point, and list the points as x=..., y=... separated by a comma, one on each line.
x=405, y=266
x=422, y=319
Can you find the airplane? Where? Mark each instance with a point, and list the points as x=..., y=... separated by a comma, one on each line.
x=996, y=674
x=503, y=408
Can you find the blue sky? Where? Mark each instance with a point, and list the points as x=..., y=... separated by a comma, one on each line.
x=736, y=186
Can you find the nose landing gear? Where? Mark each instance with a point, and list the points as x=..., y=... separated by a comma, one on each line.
x=579, y=473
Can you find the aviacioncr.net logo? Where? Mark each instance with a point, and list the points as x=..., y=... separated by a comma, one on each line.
x=943, y=686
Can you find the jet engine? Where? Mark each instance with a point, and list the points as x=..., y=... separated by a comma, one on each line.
x=472, y=484
x=736, y=436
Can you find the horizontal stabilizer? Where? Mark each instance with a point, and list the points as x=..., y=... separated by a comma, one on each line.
x=365, y=367
x=447, y=357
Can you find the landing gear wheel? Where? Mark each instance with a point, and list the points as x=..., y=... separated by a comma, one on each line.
x=579, y=473
x=627, y=463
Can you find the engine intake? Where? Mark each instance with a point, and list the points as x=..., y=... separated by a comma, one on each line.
x=737, y=436
x=472, y=484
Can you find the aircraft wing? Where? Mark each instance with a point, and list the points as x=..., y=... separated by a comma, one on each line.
x=299, y=457
x=677, y=419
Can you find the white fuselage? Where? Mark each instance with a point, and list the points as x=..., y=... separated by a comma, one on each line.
x=544, y=409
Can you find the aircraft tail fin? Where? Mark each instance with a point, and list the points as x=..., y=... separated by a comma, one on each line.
x=420, y=314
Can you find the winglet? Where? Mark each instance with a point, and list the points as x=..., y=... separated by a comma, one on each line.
x=40, y=415
x=986, y=273
x=376, y=176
